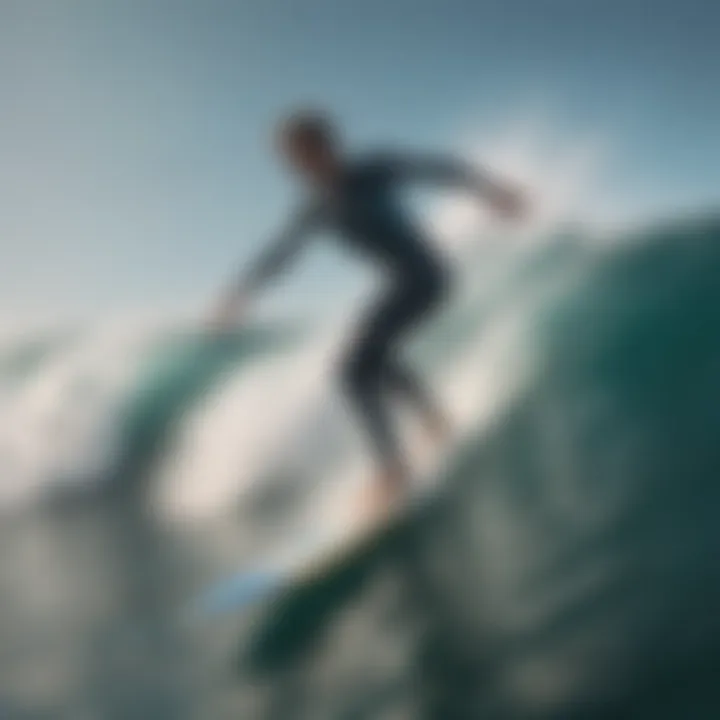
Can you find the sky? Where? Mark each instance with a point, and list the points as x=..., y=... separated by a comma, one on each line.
x=136, y=170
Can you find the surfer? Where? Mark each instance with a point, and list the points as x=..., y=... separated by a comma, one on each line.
x=355, y=198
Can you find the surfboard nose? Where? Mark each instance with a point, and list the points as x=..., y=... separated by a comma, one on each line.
x=237, y=592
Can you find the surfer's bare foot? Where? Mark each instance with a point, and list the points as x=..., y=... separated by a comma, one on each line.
x=386, y=490
x=437, y=426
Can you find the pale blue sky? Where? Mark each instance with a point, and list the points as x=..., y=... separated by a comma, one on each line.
x=135, y=170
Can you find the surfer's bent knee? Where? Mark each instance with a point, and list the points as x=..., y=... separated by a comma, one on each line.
x=358, y=373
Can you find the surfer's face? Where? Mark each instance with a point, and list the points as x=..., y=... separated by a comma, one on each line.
x=313, y=159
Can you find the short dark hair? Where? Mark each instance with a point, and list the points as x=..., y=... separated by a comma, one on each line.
x=311, y=127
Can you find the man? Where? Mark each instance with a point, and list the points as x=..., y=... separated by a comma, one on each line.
x=355, y=198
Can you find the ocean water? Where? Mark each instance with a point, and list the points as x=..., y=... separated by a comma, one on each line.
x=569, y=571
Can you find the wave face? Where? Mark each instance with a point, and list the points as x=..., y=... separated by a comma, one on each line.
x=573, y=569
x=579, y=545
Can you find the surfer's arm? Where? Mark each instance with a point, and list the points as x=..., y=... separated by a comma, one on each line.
x=278, y=256
x=445, y=170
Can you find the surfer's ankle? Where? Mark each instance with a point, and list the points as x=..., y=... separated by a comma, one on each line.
x=437, y=425
x=385, y=492
x=391, y=483
x=394, y=475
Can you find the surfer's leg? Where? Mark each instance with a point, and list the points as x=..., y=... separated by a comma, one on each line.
x=366, y=386
x=363, y=382
x=413, y=306
x=372, y=369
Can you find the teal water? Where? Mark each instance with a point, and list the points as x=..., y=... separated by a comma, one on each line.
x=569, y=572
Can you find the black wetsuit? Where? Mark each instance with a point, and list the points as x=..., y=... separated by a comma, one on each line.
x=363, y=210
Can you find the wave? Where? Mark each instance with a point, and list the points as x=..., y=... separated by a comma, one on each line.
x=90, y=409
x=575, y=528
x=197, y=421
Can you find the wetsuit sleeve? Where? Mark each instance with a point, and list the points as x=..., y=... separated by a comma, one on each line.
x=281, y=251
x=435, y=169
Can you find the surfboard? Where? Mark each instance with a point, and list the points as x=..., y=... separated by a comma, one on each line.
x=321, y=557
x=325, y=551
x=295, y=618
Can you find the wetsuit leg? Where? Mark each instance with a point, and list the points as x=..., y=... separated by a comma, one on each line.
x=372, y=368
x=403, y=381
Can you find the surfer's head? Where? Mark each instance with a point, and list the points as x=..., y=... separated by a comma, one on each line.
x=308, y=141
